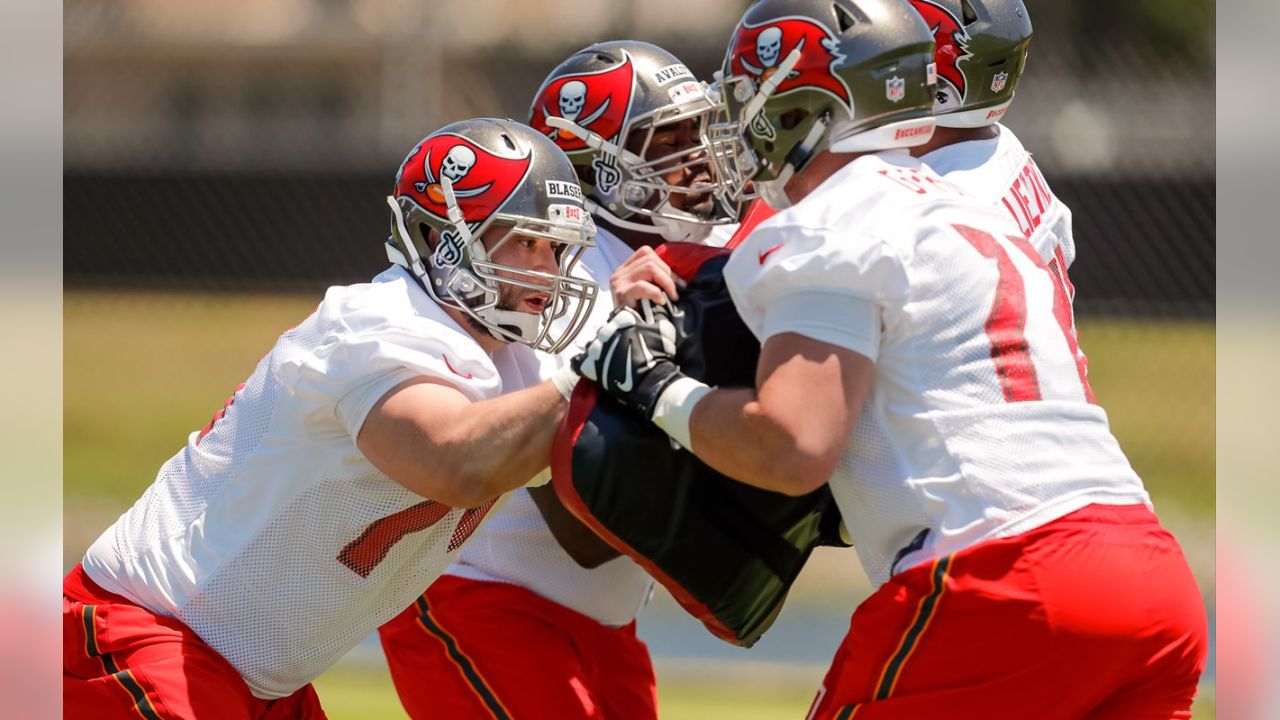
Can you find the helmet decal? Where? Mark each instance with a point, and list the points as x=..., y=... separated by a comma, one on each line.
x=952, y=44
x=598, y=101
x=482, y=181
x=757, y=50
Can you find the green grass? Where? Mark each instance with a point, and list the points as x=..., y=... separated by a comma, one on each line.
x=350, y=692
x=141, y=371
x=1157, y=382
x=357, y=693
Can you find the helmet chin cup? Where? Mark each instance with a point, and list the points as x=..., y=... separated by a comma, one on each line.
x=525, y=326
x=673, y=230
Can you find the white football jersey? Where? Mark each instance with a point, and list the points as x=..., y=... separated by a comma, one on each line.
x=269, y=534
x=516, y=546
x=1000, y=171
x=979, y=422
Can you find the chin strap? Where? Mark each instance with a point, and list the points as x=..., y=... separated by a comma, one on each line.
x=773, y=192
x=525, y=326
x=596, y=209
x=768, y=87
x=668, y=229
x=459, y=222
x=414, y=261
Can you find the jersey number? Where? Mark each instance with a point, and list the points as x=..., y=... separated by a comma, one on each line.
x=364, y=553
x=219, y=415
x=1007, y=322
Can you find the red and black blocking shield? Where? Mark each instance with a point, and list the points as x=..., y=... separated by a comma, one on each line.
x=726, y=551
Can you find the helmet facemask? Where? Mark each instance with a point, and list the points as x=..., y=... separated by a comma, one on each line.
x=747, y=141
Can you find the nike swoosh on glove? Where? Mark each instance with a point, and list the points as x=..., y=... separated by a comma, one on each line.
x=632, y=357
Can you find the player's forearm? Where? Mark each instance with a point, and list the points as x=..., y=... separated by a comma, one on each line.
x=434, y=441
x=499, y=444
x=738, y=436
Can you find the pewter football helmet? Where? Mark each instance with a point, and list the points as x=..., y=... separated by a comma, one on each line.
x=474, y=175
x=803, y=76
x=981, y=52
x=603, y=106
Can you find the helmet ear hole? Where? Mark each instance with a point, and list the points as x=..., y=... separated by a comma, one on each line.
x=792, y=118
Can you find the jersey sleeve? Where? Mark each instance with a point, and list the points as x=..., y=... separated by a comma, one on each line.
x=351, y=372
x=353, y=407
x=827, y=285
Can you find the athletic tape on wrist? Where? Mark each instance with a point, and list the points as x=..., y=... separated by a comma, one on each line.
x=675, y=406
x=565, y=379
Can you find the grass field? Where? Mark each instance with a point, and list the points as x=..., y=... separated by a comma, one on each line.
x=142, y=370
x=367, y=694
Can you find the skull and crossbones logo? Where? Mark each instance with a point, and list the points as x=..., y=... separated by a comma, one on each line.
x=572, y=101
x=573, y=95
x=769, y=52
x=769, y=46
x=457, y=163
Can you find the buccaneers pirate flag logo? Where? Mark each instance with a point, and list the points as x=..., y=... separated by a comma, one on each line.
x=757, y=50
x=951, y=41
x=597, y=101
x=482, y=182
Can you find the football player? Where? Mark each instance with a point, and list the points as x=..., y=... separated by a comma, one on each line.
x=980, y=53
x=536, y=617
x=918, y=356
x=347, y=471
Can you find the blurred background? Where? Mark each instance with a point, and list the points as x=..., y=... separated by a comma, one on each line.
x=225, y=162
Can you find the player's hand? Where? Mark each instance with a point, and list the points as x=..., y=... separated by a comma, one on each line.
x=643, y=276
x=632, y=357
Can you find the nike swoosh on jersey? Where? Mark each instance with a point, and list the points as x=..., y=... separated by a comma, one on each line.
x=765, y=255
x=464, y=376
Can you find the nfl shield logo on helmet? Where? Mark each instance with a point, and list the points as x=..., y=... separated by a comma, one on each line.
x=997, y=82
x=895, y=88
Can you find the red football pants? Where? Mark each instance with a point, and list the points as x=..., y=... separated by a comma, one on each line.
x=123, y=661
x=1095, y=615
x=471, y=649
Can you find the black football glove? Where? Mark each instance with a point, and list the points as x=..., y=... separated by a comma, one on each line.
x=632, y=357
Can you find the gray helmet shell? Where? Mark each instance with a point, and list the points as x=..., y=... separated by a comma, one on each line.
x=802, y=76
x=981, y=51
